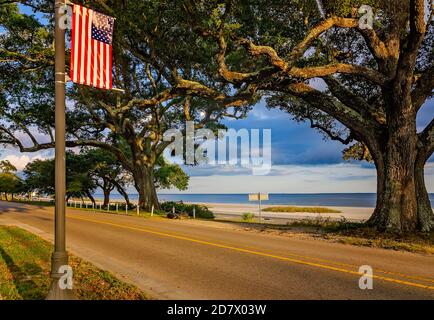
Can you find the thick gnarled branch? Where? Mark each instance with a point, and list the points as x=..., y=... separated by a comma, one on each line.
x=348, y=117
x=423, y=88
x=190, y=88
x=426, y=140
x=288, y=66
x=354, y=101
x=323, y=71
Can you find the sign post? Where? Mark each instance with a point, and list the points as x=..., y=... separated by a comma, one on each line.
x=259, y=197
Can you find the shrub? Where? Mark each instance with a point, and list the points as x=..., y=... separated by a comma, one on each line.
x=201, y=211
x=248, y=217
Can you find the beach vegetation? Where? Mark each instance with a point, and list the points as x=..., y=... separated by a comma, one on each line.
x=248, y=217
x=201, y=211
x=301, y=209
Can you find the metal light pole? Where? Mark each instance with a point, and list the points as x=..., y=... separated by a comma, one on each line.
x=60, y=256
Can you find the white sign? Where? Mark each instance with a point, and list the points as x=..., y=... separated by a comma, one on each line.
x=258, y=196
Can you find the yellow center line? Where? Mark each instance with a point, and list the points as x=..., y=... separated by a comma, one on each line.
x=257, y=253
x=391, y=273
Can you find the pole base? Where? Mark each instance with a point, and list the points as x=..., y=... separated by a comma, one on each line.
x=56, y=293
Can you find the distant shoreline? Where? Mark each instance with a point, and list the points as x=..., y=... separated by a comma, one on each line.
x=361, y=200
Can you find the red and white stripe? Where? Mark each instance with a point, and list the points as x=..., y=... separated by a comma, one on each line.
x=91, y=60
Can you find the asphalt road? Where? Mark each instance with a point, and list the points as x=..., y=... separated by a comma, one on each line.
x=209, y=260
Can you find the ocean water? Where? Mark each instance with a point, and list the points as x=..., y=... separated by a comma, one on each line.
x=322, y=199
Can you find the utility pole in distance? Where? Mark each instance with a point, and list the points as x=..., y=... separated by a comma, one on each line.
x=60, y=256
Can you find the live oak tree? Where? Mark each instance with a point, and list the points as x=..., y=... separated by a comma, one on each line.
x=373, y=81
x=131, y=125
x=10, y=183
x=167, y=176
x=39, y=177
x=107, y=173
x=26, y=78
x=160, y=94
x=376, y=81
x=86, y=171
x=25, y=43
x=7, y=167
x=177, y=92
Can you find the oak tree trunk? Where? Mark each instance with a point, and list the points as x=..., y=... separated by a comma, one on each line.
x=89, y=195
x=106, y=197
x=122, y=191
x=402, y=199
x=144, y=182
x=424, y=209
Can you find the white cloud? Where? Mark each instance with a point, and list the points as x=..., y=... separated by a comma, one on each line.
x=318, y=84
x=20, y=161
x=262, y=114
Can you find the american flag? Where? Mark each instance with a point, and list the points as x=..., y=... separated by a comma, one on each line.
x=91, y=48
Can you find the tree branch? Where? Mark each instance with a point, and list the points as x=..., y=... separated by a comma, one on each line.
x=423, y=88
x=322, y=71
x=13, y=140
x=408, y=57
x=319, y=29
x=288, y=66
x=321, y=101
x=330, y=134
x=376, y=46
x=354, y=101
x=426, y=138
x=417, y=24
x=70, y=144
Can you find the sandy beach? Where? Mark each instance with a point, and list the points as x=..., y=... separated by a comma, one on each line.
x=231, y=210
x=236, y=210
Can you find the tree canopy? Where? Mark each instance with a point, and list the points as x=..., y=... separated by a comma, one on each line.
x=361, y=85
x=355, y=83
x=10, y=183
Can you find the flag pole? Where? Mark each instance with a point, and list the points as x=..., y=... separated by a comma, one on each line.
x=60, y=256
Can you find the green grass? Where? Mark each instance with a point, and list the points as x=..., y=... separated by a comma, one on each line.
x=346, y=232
x=34, y=203
x=25, y=265
x=301, y=209
x=360, y=234
x=326, y=224
x=121, y=211
x=131, y=212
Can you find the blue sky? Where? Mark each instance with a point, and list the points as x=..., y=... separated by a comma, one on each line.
x=299, y=144
x=303, y=162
